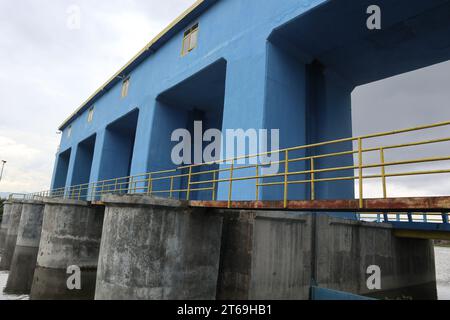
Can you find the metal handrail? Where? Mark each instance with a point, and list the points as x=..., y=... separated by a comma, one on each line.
x=209, y=179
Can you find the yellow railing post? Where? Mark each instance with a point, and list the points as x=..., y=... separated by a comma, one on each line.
x=171, y=188
x=214, y=186
x=286, y=178
x=129, y=190
x=115, y=186
x=150, y=185
x=257, y=182
x=360, y=166
x=230, y=189
x=383, y=173
x=188, y=195
x=313, y=177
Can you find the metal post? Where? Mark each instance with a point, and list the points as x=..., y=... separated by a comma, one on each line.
x=286, y=177
x=230, y=190
x=360, y=165
x=188, y=195
x=1, y=172
x=445, y=217
x=150, y=185
x=410, y=217
x=383, y=173
x=214, y=196
x=257, y=182
x=171, y=188
x=313, y=178
x=115, y=186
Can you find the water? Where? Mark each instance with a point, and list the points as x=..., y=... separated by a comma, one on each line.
x=442, y=276
x=3, y=279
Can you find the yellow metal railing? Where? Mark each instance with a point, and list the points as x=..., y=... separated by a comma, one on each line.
x=183, y=182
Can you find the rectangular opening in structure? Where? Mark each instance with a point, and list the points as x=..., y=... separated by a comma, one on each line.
x=198, y=99
x=62, y=167
x=82, y=168
x=117, y=152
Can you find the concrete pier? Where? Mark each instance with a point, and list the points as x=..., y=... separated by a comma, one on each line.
x=71, y=233
x=157, y=249
x=27, y=247
x=274, y=255
x=5, y=225
x=11, y=235
x=345, y=249
x=265, y=255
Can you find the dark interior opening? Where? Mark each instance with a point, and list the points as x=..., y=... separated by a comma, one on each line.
x=198, y=98
x=118, y=147
x=62, y=169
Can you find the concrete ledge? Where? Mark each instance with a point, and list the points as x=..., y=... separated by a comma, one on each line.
x=142, y=201
x=361, y=224
x=36, y=202
x=66, y=202
x=268, y=215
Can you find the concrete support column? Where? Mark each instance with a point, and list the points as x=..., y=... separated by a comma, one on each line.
x=71, y=233
x=155, y=249
x=27, y=247
x=265, y=255
x=11, y=236
x=275, y=255
x=5, y=225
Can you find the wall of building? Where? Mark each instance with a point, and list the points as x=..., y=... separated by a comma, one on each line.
x=227, y=32
x=290, y=65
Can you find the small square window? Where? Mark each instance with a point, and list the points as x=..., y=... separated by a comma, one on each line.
x=125, y=86
x=69, y=131
x=90, y=114
x=190, y=40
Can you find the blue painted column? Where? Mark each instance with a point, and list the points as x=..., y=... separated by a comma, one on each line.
x=96, y=162
x=73, y=156
x=243, y=109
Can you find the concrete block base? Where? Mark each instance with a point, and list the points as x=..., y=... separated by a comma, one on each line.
x=275, y=255
x=51, y=284
x=265, y=255
x=11, y=236
x=71, y=233
x=27, y=248
x=157, y=250
x=22, y=270
x=5, y=225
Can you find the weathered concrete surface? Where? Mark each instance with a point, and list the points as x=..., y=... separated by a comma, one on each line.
x=5, y=225
x=345, y=249
x=265, y=255
x=27, y=246
x=155, y=249
x=71, y=233
x=11, y=236
x=274, y=255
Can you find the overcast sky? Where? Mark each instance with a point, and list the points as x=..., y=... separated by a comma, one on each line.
x=48, y=70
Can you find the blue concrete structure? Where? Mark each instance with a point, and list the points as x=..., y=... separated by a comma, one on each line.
x=288, y=65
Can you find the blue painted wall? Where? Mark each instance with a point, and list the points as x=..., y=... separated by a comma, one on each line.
x=289, y=65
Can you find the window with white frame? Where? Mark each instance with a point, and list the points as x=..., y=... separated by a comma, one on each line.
x=125, y=87
x=90, y=114
x=190, y=39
